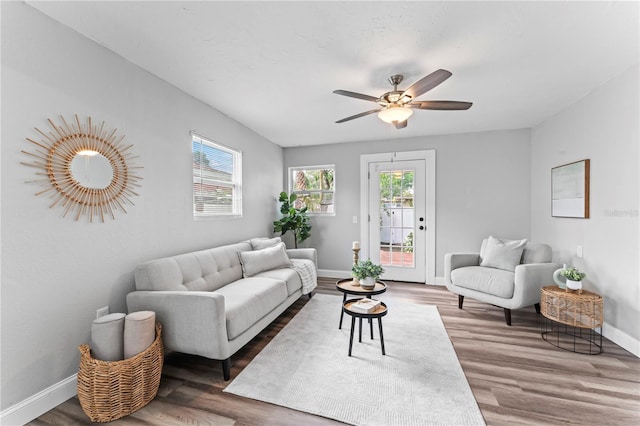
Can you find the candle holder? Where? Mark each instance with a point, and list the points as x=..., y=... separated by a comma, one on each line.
x=356, y=257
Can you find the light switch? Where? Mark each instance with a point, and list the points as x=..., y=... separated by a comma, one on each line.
x=579, y=252
x=355, y=219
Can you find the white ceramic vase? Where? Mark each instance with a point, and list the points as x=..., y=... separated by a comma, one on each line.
x=367, y=283
x=574, y=285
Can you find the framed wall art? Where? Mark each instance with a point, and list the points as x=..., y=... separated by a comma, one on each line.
x=570, y=190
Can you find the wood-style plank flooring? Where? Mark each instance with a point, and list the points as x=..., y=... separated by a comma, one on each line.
x=516, y=377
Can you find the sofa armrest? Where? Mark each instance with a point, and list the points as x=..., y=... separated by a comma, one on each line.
x=304, y=253
x=458, y=260
x=193, y=322
x=529, y=279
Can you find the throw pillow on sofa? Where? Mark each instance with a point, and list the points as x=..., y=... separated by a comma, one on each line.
x=503, y=254
x=263, y=243
x=256, y=261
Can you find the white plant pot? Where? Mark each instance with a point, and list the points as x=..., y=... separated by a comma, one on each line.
x=574, y=285
x=368, y=283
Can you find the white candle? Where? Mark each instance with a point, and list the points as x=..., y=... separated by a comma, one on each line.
x=356, y=245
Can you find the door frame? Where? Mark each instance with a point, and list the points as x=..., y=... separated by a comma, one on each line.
x=429, y=156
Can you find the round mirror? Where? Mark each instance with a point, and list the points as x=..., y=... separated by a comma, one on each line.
x=88, y=167
x=92, y=170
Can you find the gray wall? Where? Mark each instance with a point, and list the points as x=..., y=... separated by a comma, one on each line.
x=56, y=272
x=481, y=189
x=604, y=127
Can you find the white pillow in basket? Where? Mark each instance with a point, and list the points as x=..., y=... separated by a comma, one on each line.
x=256, y=261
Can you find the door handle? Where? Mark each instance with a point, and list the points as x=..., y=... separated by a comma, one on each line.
x=421, y=227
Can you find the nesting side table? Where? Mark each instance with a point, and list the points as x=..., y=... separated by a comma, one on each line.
x=572, y=321
x=347, y=286
x=379, y=312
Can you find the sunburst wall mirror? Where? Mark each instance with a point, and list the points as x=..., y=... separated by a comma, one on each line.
x=85, y=167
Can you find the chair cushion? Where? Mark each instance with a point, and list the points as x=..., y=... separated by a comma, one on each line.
x=247, y=300
x=502, y=254
x=492, y=281
x=256, y=261
x=537, y=253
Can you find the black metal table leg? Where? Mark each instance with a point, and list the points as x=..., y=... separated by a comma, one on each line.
x=371, y=327
x=344, y=299
x=381, y=335
x=360, y=329
x=353, y=324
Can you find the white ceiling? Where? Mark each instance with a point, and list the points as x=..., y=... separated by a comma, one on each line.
x=272, y=66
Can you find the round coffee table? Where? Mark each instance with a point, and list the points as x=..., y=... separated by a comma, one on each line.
x=347, y=286
x=379, y=312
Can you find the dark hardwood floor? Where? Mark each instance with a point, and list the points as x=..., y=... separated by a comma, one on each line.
x=516, y=377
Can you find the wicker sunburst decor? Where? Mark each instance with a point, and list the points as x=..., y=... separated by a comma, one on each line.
x=54, y=154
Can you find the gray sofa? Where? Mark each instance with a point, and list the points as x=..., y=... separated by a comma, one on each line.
x=212, y=302
x=494, y=278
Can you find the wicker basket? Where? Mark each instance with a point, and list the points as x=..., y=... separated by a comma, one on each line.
x=584, y=310
x=109, y=390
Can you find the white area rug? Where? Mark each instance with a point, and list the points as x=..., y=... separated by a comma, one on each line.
x=418, y=382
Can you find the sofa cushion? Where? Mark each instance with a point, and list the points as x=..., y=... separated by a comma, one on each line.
x=204, y=270
x=502, y=254
x=256, y=261
x=263, y=243
x=247, y=300
x=289, y=276
x=492, y=281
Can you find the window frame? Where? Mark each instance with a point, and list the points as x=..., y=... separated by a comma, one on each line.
x=235, y=184
x=291, y=180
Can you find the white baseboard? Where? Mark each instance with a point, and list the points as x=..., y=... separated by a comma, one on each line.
x=621, y=339
x=38, y=404
x=439, y=281
x=333, y=273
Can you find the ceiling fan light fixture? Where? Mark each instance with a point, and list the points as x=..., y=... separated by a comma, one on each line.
x=394, y=113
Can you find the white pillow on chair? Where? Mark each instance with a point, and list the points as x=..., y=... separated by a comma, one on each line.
x=503, y=254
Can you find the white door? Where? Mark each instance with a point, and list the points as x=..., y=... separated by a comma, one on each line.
x=397, y=219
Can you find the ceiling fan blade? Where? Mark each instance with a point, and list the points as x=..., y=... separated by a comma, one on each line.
x=356, y=95
x=441, y=105
x=362, y=114
x=427, y=83
x=401, y=124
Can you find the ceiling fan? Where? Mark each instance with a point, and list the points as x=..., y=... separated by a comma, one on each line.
x=397, y=106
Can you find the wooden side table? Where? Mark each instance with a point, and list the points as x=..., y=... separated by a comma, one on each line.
x=379, y=312
x=346, y=286
x=570, y=320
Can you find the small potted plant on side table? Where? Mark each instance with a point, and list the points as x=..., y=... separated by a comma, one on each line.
x=574, y=278
x=367, y=273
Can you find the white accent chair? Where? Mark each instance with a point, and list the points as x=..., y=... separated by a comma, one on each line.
x=508, y=289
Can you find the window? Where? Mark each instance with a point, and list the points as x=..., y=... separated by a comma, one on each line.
x=217, y=179
x=315, y=187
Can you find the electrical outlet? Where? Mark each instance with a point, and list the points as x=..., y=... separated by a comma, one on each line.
x=355, y=219
x=579, y=252
x=102, y=312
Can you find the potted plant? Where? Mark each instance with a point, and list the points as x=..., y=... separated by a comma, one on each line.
x=367, y=273
x=574, y=277
x=295, y=219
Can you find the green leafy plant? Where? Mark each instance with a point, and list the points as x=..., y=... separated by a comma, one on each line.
x=366, y=268
x=295, y=219
x=573, y=274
